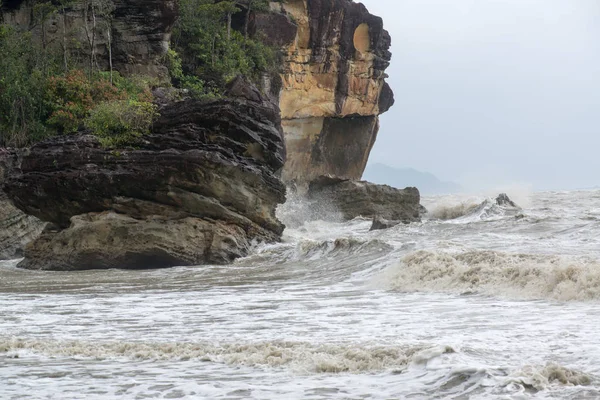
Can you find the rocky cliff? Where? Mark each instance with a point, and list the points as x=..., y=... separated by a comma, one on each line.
x=199, y=189
x=138, y=31
x=205, y=183
x=330, y=91
x=333, y=84
x=16, y=229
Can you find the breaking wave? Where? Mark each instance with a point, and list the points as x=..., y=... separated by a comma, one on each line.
x=310, y=250
x=448, y=212
x=551, y=374
x=479, y=210
x=298, y=356
x=458, y=381
x=313, y=249
x=525, y=276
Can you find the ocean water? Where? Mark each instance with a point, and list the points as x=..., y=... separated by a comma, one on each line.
x=476, y=302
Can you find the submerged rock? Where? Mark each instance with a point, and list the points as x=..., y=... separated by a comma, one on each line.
x=197, y=190
x=504, y=201
x=381, y=224
x=364, y=199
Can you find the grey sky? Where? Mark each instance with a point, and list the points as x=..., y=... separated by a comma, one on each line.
x=493, y=92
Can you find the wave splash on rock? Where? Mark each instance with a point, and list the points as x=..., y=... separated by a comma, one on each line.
x=502, y=205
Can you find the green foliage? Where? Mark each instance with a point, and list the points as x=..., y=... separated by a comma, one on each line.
x=195, y=86
x=39, y=99
x=136, y=87
x=72, y=97
x=22, y=81
x=211, y=50
x=120, y=123
x=44, y=90
x=173, y=63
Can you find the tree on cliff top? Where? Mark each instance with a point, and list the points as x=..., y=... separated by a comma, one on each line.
x=211, y=50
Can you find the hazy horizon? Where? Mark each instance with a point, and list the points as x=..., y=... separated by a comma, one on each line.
x=493, y=93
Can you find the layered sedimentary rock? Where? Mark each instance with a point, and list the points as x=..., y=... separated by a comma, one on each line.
x=138, y=31
x=204, y=184
x=363, y=199
x=333, y=84
x=197, y=190
x=16, y=229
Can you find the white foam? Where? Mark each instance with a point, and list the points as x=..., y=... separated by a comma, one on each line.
x=446, y=212
x=298, y=356
x=548, y=376
x=525, y=276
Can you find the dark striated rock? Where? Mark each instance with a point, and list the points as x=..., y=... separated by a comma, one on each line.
x=381, y=224
x=16, y=229
x=355, y=199
x=505, y=201
x=196, y=190
x=274, y=29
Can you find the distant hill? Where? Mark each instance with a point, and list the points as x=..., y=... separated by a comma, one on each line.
x=403, y=177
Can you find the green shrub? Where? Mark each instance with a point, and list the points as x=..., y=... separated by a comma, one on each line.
x=22, y=82
x=119, y=123
x=73, y=96
x=212, y=50
x=196, y=87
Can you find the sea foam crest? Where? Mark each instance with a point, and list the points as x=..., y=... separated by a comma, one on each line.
x=299, y=356
x=526, y=276
x=547, y=376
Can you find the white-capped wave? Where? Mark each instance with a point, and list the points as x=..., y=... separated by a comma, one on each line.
x=447, y=212
x=473, y=209
x=299, y=356
x=312, y=250
x=526, y=276
x=548, y=376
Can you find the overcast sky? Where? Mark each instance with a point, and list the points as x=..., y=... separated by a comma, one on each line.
x=494, y=92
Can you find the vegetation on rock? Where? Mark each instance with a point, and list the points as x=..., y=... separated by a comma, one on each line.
x=39, y=97
x=207, y=51
x=119, y=123
x=55, y=86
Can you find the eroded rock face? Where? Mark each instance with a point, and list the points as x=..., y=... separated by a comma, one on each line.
x=363, y=199
x=333, y=85
x=140, y=32
x=197, y=190
x=111, y=240
x=16, y=229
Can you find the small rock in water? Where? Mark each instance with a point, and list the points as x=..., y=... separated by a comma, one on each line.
x=504, y=200
x=380, y=224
